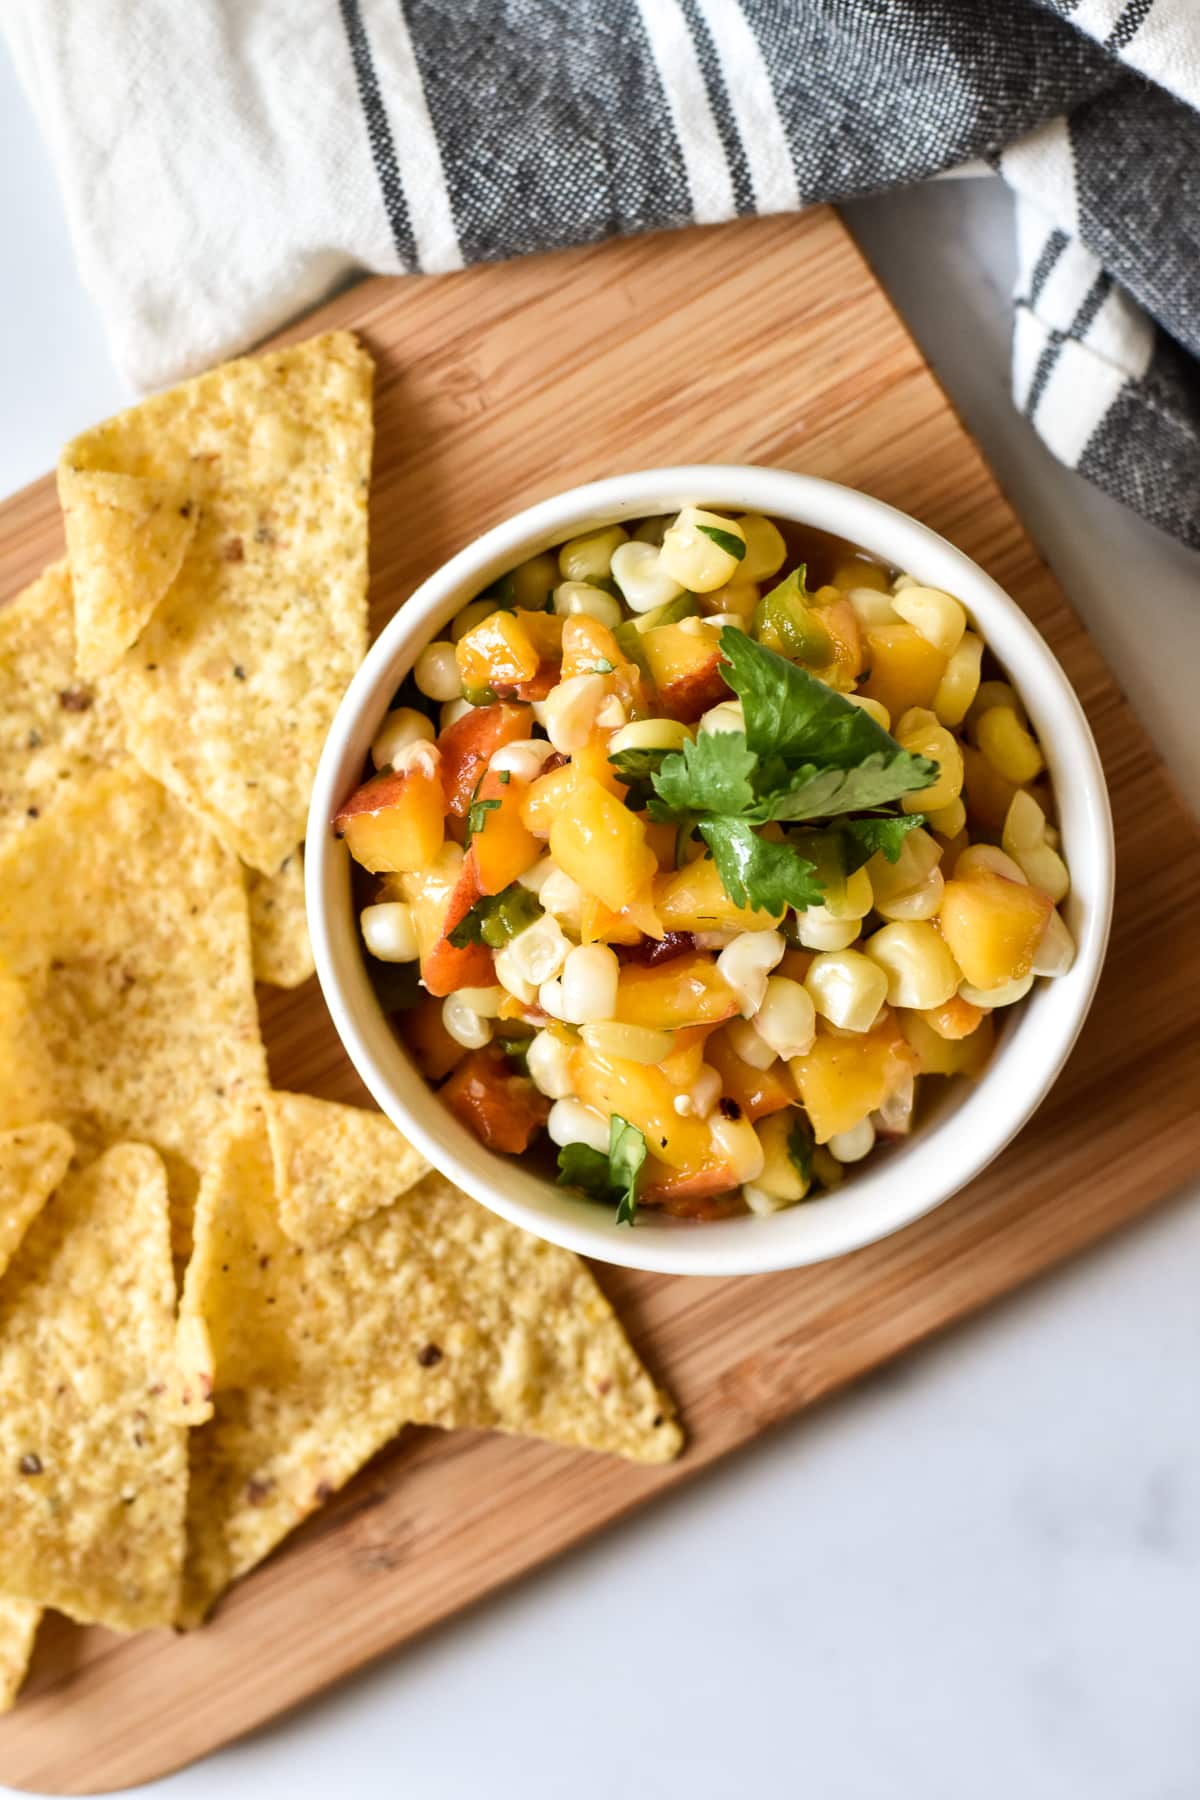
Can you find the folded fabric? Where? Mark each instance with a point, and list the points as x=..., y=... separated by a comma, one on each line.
x=224, y=166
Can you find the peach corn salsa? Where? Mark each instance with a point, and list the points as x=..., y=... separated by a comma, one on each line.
x=695, y=846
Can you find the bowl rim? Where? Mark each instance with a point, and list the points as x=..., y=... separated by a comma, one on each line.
x=971, y=1129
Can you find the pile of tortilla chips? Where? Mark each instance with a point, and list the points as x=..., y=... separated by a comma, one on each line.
x=217, y=1301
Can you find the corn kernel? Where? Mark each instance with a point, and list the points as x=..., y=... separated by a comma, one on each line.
x=1008, y=746
x=436, y=672
x=696, y=560
x=921, y=902
x=401, y=727
x=1044, y=868
x=786, y=1020
x=874, y=709
x=638, y=572
x=1056, y=948
x=766, y=551
x=586, y=557
x=920, y=970
x=920, y=732
x=987, y=859
x=1007, y=994
x=534, y=580
x=948, y=821
x=959, y=685
x=851, y=1146
x=940, y=619
x=847, y=988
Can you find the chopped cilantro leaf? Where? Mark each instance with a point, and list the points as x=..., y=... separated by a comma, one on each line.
x=711, y=774
x=800, y=1150
x=612, y=1178
x=883, y=833
x=725, y=540
x=505, y=777
x=477, y=814
x=767, y=877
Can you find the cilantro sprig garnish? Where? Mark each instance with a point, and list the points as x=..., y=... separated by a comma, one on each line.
x=806, y=754
x=612, y=1178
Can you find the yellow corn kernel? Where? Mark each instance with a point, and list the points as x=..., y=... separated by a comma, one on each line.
x=921, y=971
x=780, y=1176
x=958, y=687
x=1024, y=824
x=695, y=559
x=989, y=694
x=852, y=572
x=919, y=855
x=948, y=821
x=938, y=617
x=766, y=551
x=589, y=557
x=874, y=709
x=1008, y=746
x=920, y=732
x=1044, y=868
x=534, y=580
x=740, y=597
x=918, y=903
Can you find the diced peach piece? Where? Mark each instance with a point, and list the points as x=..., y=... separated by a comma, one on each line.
x=599, y=924
x=544, y=631
x=987, y=793
x=587, y=644
x=687, y=1058
x=445, y=967
x=643, y=1095
x=842, y=1079
x=468, y=745
x=693, y=899
x=395, y=822
x=757, y=1091
x=502, y=846
x=993, y=927
x=433, y=1049
x=500, y=1105
x=686, y=669
x=687, y=991
x=592, y=759
x=497, y=653
x=947, y=1056
x=546, y=797
x=602, y=846
x=958, y=1018
x=905, y=668
x=661, y=839
x=709, y=1193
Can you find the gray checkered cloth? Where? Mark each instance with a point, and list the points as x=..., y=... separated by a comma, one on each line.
x=224, y=165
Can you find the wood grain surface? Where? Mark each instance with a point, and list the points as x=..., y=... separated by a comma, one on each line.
x=769, y=342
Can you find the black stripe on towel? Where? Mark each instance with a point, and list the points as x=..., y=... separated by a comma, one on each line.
x=1092, y=301
x=379, y=134
x=708, y=56
x=1128, y=25
x=1052, y=249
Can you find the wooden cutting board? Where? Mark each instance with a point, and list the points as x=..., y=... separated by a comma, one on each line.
x=769, y=342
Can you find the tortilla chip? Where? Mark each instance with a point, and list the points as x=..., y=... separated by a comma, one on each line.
x=334, y=1165
x=18, y=1628
x=54, y=728
x=433, y=1311
x=231, y=688
x=126, y=539
x=93, y=1459
x=33, y=1160
x=124, y=923
x=278, y=925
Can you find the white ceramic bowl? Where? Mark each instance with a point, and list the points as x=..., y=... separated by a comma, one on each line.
x=973, y=1123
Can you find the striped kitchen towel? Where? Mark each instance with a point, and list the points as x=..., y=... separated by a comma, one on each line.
x=225, y=164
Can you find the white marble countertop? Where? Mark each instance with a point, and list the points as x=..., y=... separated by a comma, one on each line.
x=978, y=1574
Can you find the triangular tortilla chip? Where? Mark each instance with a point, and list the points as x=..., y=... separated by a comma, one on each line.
x=18, y=1628
x=432, y=1311
x=54, y=727
x=93, y=1459
x=230, y=690
x=334, y=1165
x=33, y=1160
x=126, y=539
x=278, y=925
x=123, y=923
